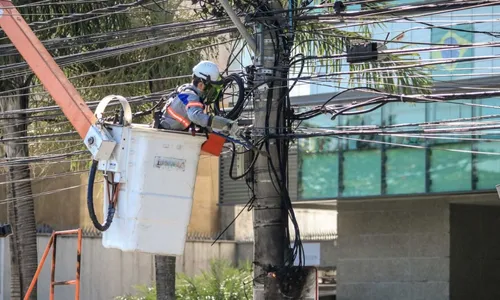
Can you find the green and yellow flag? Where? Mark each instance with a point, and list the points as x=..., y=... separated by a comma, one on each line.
x=454, y=37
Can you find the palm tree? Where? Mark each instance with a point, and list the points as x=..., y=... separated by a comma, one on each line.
x=21, y=210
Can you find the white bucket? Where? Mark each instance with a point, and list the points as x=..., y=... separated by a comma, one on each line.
x=158, y=170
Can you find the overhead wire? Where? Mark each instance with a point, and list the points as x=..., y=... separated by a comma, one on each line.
x=113, y=9
x=110, y=51
x=439, y=8
x=116, y=67
x=169, y=28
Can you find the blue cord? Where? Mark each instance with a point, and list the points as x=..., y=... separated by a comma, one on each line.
x=247, y=145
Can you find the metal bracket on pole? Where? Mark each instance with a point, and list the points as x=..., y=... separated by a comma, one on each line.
x=239, y=25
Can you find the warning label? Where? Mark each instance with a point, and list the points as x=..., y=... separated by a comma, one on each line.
x=170, y=163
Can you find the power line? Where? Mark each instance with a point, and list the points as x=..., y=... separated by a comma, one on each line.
x=112, y=51
x=166, y=29
x=103, y=70
x=75, y=16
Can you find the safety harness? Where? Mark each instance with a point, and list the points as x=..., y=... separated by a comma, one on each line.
x=188, y=125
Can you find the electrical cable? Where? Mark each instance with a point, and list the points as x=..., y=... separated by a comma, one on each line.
x=111, y=200
x=112, y=51
x=236, y=110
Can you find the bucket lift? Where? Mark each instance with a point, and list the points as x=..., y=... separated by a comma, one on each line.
x=152, y=171
x=154, y=174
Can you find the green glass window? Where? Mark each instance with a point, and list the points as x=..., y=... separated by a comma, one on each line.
x=318, y=162
x=488, y=111
x=362, y=173
x=488, y=166
x=405, y=171
x=405, y=166
x=450, y=171
x=319, y=176
x=403, y=113
x=322, y=120
x=362, y=159
x=363, y=141
x=357, y=159
x=448, y=111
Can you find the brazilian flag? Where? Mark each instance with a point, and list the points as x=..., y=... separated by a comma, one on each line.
x=451, y=36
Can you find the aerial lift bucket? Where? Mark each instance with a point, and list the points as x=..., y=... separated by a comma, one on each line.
x=157, y=171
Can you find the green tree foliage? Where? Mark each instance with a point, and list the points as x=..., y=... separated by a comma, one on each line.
x=220, y=282
x=147, y=69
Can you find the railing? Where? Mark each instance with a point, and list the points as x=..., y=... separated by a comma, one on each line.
x=53, y=283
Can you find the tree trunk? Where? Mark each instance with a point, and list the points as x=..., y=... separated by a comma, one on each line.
x=164, y=265
x=165, y=277
x=23, y=243
x=15, y=279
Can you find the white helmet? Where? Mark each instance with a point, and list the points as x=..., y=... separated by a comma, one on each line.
x=206, y=70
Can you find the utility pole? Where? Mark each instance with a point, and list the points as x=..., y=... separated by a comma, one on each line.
x=269, y=216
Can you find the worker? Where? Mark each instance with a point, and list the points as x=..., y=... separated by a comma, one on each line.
x=186, y=108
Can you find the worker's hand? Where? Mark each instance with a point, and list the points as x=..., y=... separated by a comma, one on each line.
x=234, y=129
x=231, y=128
x=225, y=126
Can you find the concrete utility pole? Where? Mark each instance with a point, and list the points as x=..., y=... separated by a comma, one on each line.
x=269, y=216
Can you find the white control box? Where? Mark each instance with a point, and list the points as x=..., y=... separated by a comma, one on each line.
x=99, y=142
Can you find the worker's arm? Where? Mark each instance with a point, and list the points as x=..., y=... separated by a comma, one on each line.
x=198, y=116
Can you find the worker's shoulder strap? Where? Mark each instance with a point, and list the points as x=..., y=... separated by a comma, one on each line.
x=185, y=97
x=182, y=88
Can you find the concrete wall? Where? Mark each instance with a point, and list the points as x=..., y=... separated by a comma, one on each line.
x=67, y=208
x=309, y=220
x=107, y=273
x=432, y=248
x=393, y=250
x=475, y=252
x=59, y=197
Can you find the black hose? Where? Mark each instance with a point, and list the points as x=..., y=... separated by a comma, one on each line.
x=236, y=111
x=90, y=202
